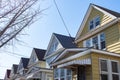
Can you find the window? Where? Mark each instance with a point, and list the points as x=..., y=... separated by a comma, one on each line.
x=91, y=24
x=88, y=43
x=109, y=70
x=62, y=74
x=94, y=23
x=115, y=71
x=56, y=74
x=102, y=40
x=103, y=65
x=97, y=42
x=69, y=74
x=97, y=21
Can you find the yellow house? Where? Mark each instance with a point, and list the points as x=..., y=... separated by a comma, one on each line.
x=98, y=46
x=37, y=68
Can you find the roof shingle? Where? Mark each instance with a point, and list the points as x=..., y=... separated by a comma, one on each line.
x=40, y=53
x=66, y=41
x=25, y=62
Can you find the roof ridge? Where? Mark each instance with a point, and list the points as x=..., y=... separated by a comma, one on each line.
x=63, y=35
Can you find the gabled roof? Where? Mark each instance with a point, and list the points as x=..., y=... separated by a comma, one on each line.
x=111, y=13
x=65, y=41
x=40, y=53
x=15, y=66
x=25, y=62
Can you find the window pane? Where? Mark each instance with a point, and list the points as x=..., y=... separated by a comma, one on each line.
x=104, y=77
x=103, y=64
x=115, y=77
x=69, y=72
x=95, y=42
x=114, y=67
x=97, y=21
x=62, y=79
x=103, y=45
x=62, y=73
x=88, y=43
x=91, y=25
x=102, y=37
x=69, y=78
x=56, y=73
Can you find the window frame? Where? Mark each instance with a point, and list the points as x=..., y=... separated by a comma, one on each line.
x=94, y=20
x=109, y=66
x=65, y=74
x=99, y=41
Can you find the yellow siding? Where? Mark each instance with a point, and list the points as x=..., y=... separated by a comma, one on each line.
x=41, y=64
x=83, y=57
x=88, y=73
x=112, y=39
x=95, y=64
x=103, y=18
x=80, y=44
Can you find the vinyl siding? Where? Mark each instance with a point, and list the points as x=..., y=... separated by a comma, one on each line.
x=95, y=64
x=103, y=18
x=112, y=39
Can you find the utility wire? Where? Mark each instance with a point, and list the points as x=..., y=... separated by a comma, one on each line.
x=13, y=53
x=62, y=18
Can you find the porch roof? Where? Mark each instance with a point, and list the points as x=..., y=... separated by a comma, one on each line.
x=76, y=62
x=80, y=54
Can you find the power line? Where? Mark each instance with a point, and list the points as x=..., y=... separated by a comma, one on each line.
x=13, y=53
x=62, y=18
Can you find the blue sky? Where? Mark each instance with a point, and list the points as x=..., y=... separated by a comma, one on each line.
x=40, y=32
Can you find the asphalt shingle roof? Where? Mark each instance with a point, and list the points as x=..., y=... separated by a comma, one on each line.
x=66, y=41
x=109, y=11
x=25, y=62
x=40, y=53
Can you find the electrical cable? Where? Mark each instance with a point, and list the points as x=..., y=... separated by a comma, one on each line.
x=62, y=18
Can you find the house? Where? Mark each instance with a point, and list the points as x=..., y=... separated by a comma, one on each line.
x=96, y=56
x=57, y=45
x=22, y=68
x=37, y=68
x=7, y=75
x=13, y=73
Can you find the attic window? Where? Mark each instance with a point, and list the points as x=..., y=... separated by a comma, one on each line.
x=95, y=22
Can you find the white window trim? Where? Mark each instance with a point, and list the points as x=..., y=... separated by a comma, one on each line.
x=91, y=44
x=109, y=68
x=65, y=74
x=94, y=20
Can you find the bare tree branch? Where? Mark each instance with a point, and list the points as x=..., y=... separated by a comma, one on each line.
x=15, y=15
